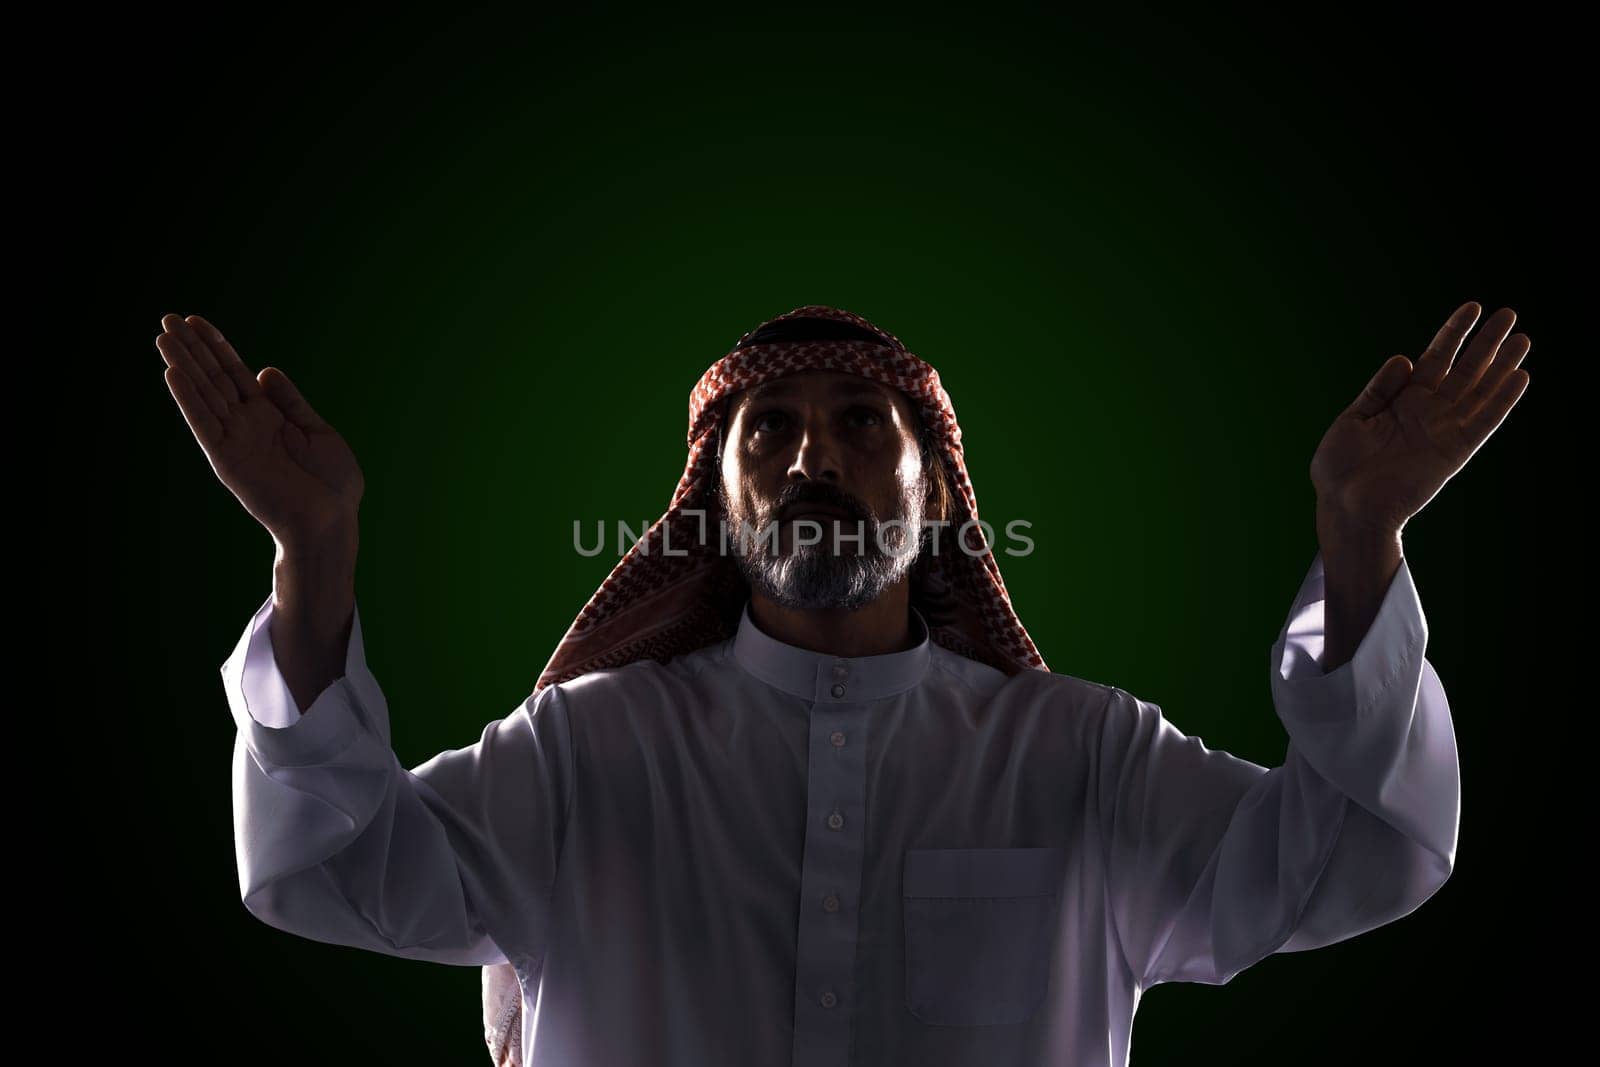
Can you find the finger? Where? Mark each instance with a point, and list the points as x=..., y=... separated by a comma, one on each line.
x=232, y=365
x=207, y=427
x=1479, y=354
x=281, y=391
x=204, y=357
x=1434, y=362
x=177, y=355
x=1486, y=420
x=1383, y=388
x=1506, y=362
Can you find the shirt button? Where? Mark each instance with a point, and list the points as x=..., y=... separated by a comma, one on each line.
x=838, y=691
x=830, y=903
x=837, y=738
x=835, y=821
x=829, y=1000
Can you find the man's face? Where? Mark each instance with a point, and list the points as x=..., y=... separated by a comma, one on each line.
x=823, y=456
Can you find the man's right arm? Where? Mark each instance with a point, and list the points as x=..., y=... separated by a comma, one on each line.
x=336, y=841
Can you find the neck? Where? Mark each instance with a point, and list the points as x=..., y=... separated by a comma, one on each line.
x=882, y=627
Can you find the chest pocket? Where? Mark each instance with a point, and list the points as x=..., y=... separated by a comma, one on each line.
x=979, y=930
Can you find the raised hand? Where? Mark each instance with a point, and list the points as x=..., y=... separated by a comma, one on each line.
x=284, y=463
x=1413, y=428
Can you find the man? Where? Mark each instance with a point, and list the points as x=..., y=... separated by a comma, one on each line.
x=820, y=801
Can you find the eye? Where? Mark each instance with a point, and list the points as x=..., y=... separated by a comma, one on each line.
x=768, y=421
x=865, y=416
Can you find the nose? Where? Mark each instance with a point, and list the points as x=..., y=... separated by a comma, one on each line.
x=817, y=458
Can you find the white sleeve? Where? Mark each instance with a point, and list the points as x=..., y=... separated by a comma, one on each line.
x=452, y=861
x=1215, y=862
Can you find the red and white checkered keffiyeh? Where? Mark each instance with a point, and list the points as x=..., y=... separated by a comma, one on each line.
x=657, y=606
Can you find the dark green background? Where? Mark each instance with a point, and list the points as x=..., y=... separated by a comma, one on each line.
x=1151, y=258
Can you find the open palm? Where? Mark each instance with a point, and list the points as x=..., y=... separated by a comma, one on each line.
x=287, y=466
x=1412, y=429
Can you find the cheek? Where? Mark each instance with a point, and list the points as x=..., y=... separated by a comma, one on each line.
x=908, y=473
x=744, y=492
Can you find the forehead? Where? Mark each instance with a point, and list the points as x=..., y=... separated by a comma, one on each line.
x=820, y=385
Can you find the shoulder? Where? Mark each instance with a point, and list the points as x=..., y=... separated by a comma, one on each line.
x=1029, y=687
x=643, y=683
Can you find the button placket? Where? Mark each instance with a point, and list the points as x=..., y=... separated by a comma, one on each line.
x=840, y=721
x=841, y=671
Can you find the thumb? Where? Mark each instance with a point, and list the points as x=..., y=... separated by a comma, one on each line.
x=1383, y=388
x=281, y=391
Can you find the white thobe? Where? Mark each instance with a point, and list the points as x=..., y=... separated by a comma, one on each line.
x=759, y=854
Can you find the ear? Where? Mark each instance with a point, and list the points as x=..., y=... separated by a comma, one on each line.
x=712, y=501
x=939, y=503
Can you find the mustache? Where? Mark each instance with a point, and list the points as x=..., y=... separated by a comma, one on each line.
x=818, y=493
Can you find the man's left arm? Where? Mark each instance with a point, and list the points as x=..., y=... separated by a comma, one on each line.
x=1214, y=862
x=1366, y=710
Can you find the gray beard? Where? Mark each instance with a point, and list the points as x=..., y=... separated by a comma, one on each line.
x=812, y=578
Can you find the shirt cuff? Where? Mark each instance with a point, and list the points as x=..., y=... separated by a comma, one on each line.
x=265, y=711
x=1391, y=649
